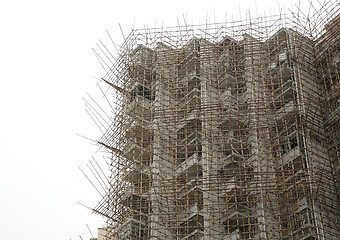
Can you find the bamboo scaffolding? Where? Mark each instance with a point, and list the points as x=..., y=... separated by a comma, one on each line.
x=226, y=130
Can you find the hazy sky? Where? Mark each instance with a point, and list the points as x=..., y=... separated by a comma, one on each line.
x=46, y=69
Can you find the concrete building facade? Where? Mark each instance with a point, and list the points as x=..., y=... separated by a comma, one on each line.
x=225, y=133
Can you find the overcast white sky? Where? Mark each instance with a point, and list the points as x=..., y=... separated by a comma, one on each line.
x=46, y=69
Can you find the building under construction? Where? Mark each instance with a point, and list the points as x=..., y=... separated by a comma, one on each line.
x=226, y=131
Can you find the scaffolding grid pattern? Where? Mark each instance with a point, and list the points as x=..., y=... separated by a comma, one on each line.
x=226, y=131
